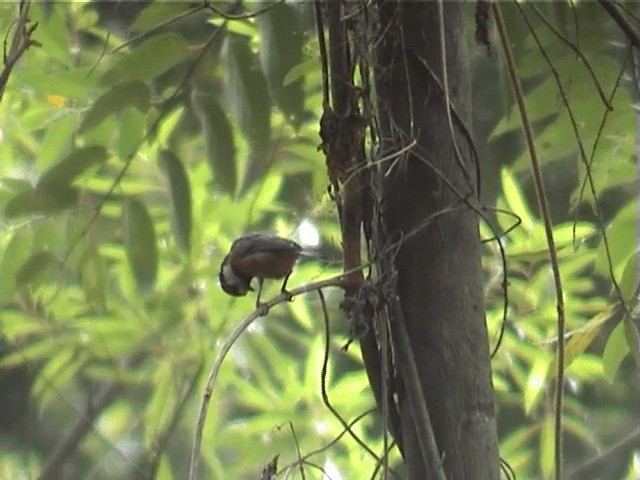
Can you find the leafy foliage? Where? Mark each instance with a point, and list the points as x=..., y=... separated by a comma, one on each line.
x=136, y=146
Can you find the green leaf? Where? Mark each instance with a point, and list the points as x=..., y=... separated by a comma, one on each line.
x=515, y=199
x=547, y=443
x=133, y=94
x=131, y=134
x=298, y=71
x=247, y=95
x=94, y=278
x=629, y=279
x=158, y=13
x=42, y=201
x=622, y=241
x=55, y=375
x=73, y=83
x=148, y=60
x=140, y=244
x=36, y=350
x=615, y=351
x=180, y=191
x=240, y=27
x=62, y=174
x=221, y=150
x=536, y=381
x=579, y=341
x=281, y=46
x=16, y=253
x=57, y=139
x=35, y=268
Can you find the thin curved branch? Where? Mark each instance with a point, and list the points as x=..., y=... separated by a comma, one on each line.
x=543, y=205
x=614, y=12
x=65, y=449
x=574, y=48
x=628, y=441
x=224, y=350
x=583, y=155
x=20, y=43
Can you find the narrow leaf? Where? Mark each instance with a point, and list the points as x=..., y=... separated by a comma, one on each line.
x=16, y=253
x=221, y=148
x=180, y=191
x=515, y=199
x=148, y=60
x=134, y=94
x=140, y=244
x=536, y=382
x=247, y=93
x=41, y=200
x=34, y=268
x=76, y=163
x=281, y=47
x=615, y=351
x=158, y=13
x=579, y=341
x=547, y=447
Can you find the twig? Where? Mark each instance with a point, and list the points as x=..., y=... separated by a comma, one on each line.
x=573, y=48
x=224, y=350
x=613, y=11
x=83, y=424
x=546, y=218
x=323, y=383
x=581, y=470
x=20, y=43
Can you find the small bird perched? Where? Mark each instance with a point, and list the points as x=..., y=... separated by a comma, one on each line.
x=260, y=255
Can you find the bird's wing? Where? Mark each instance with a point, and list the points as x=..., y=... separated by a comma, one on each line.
x=262, y=242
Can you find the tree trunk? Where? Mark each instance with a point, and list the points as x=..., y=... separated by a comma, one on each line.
x=439, y=278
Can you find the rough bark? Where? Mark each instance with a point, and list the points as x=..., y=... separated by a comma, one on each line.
x=439, y=270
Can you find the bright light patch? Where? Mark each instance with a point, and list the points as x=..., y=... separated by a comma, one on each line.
x=321, y=427
x=635, y=465
x=308, y=234
x=331, y=471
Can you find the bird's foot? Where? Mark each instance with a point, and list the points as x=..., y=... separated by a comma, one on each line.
x=287, y=295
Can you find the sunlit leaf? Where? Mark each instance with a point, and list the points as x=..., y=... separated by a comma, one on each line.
x=580, y=341
x=629, y=279
x=240, y=27
x=298, y=71
x=57, y=139
x=131, y=134
x=615, y=351
x=515, y=199
x=547, y=449
x=55, y=376
x=620, y=243
x=36, y=350
x=15, y=254
x=536, y=382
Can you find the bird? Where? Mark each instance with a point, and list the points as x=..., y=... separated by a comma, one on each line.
x=261, y=255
